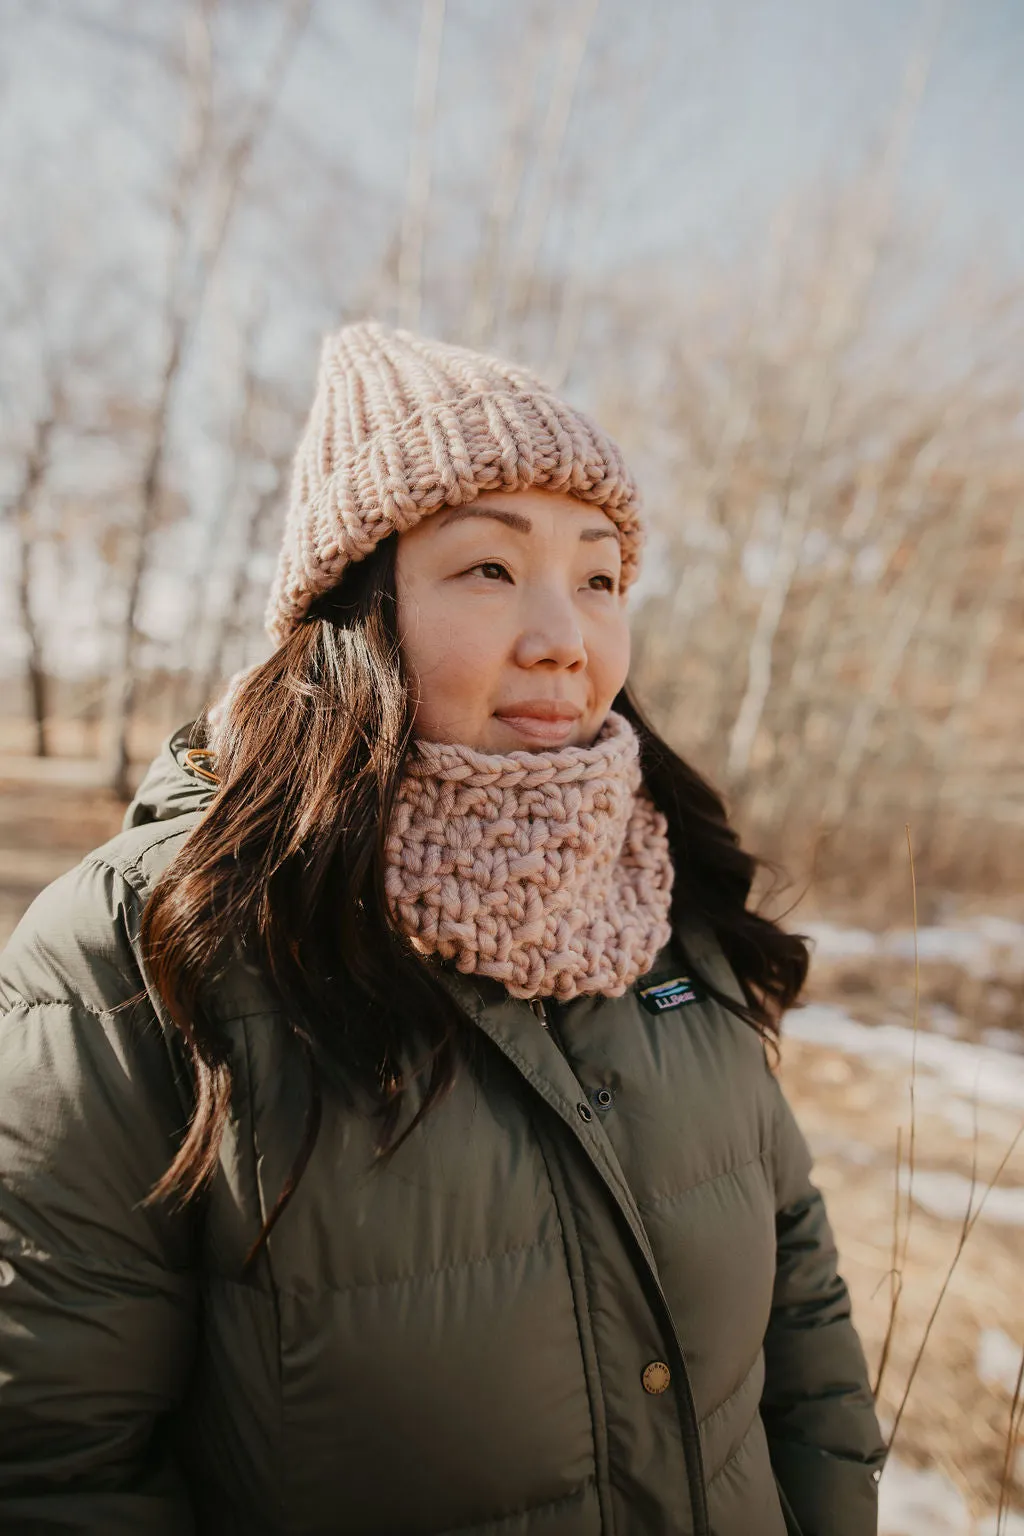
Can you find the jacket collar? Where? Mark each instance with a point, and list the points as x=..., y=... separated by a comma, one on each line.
x=512, y=1026
x=173, y=784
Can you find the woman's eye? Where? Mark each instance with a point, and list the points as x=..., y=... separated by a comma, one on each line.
x=493, y=570
x=605, y=583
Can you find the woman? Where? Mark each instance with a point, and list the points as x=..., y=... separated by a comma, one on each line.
x=387, y=1138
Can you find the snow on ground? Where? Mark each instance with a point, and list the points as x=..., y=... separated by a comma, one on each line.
x=920, y=1502
x=916, y=1501
x=966, y=1082
x=948, y=1195
x=1000, y=1039
x=1012, y=1525
x=983, y=946
x=998, y=1359
x=972, y=1072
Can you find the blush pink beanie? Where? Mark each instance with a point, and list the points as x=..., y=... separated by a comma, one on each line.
x=401, y=426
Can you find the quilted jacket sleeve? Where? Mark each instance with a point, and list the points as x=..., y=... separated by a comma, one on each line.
x=97, y=1297
x=817, y=1407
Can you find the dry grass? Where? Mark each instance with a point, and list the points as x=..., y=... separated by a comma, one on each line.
x=848, y=1109
x=925, y=1337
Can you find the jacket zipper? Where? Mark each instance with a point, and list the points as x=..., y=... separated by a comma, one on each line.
x=546, y=1015
x=545, y=1012
x=538, y=1008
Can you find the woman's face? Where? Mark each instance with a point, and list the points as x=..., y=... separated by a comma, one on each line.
x=513, y=628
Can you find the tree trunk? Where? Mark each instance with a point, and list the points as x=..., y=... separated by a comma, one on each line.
x=35, y=675
x=36, y=463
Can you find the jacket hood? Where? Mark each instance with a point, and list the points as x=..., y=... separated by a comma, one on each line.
x=172, y=785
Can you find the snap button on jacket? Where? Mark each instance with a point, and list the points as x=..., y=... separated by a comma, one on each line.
x=656, y=1376
x=534, y=1321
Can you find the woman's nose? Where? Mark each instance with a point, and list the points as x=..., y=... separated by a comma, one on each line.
x=552, y=634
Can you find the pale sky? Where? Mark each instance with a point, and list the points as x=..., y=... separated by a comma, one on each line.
x=693, y=118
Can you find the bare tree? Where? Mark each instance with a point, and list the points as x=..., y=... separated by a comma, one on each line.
x=841, y=316
x=506, y=184
x=232, y=617
x=533, y=222
x=220, y=526
x=898, y=608
x=190, y=271
x=22, y=516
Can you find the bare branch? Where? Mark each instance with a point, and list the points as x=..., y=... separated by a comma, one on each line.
x=535, y=217
x=417, y=197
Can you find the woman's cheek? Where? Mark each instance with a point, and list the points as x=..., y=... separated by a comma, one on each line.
x=609, y=652
x=465, y=655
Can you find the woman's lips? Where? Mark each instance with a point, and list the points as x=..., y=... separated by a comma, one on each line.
x=541, y=724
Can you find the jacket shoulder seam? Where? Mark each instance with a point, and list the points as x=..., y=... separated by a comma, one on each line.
x=132, y=872
x=71, y=1001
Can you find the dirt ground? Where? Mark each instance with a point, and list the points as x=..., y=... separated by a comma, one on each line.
x=50, y=815
x=850, y=1105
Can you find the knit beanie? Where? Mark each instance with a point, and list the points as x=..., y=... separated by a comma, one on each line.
x=402, y=426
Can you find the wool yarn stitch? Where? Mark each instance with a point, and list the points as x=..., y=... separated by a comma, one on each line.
x=549, y=871
x=401, y=426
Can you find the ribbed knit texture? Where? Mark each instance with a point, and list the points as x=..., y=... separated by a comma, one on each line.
x=401, y=426
x=549, y=871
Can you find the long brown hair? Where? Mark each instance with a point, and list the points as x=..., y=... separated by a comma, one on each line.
x=287, y=865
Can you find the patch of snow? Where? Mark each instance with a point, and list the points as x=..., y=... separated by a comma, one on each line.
x=1003, y=1040
x=1001, y=931
x=1013, y=1525
x=954, y=946
x=947, y=1196
x=916, y=1501
x=944, y=1021
x=998, y=1359
x=834, y=943
x=958, y=1115
x=842, y=1148
x=984, y=946
x=919, y=1502
x=965, y=1068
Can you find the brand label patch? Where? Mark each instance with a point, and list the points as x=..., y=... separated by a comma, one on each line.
x=660, y=996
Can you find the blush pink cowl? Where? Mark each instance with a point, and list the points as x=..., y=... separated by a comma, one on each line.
x=548, y=871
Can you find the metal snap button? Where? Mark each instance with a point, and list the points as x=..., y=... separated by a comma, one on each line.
x=656, y=1377
x=584, y=1111
x=603, y=1097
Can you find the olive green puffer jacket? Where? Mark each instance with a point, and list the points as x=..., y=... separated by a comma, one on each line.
x=595, y=1292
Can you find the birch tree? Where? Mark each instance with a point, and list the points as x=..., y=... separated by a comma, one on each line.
x=198, y=230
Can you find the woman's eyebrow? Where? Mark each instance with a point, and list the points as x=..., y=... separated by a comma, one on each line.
x=514, y=520
x=518, y=522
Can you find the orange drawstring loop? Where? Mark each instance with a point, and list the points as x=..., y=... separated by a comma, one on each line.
x=197, y=768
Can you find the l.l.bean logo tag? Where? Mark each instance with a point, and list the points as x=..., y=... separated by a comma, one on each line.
x=661, y=996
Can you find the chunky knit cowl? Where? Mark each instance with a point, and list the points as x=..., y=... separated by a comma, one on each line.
x=548, y=871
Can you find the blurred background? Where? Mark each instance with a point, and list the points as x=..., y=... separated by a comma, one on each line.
x=777, y=247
